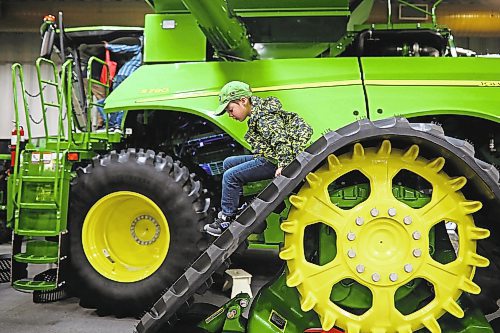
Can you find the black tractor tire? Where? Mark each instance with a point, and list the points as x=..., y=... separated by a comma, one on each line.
x=488, y=278
x=180, y=198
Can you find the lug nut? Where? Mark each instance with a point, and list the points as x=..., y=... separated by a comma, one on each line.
x=360, y=268
x=351, y=236
x=376, y=277
x=374, y=212
x=416, y=235
x=409, y=267
x=417, y=253
x=407, y=220
x=359, y=221
x=392, y=212
x=393, y=277
x=351, y=253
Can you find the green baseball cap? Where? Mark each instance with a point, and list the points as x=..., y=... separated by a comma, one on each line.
x=232, y=91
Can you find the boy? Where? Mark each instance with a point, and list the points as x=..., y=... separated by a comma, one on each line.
x=276, y=137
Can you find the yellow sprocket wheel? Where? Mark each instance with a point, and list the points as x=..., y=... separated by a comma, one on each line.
x=382, y=243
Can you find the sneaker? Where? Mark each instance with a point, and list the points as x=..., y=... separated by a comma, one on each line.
x=220, y=224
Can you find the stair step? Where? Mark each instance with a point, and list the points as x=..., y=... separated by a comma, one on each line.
x=39, y=252
x=37, y=179
x=38, y=205
x=37, y=233
x=30, y=285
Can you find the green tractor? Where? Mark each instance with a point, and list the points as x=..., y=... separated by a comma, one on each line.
x=381, y=222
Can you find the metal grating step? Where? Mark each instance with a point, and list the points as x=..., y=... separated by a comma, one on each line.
x=39, y=252
x=48, y=296
x=5, y=268
x=37, y=179
x=45, y=206
x=31, y=285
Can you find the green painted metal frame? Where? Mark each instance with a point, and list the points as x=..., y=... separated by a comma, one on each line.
x=228, y=318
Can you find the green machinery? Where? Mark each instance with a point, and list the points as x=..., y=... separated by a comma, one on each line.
x=384, y=225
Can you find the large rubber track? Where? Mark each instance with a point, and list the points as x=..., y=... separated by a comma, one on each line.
x=483, y=186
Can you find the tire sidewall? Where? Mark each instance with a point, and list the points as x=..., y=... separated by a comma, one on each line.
x=176, y=205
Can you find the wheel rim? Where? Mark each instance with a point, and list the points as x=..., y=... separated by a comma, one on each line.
x=382, y=243
x=125, y=236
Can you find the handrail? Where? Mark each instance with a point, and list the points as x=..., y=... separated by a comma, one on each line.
x=67, y=67
x=67, y=92
x=91, y=81
x=54, y=83
x=17, y=73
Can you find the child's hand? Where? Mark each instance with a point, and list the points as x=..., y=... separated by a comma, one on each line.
x=278, y=172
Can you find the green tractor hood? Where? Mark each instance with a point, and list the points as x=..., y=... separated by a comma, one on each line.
x=303, y=84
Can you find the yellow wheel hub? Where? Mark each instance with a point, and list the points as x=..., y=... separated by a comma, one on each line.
x=382, y=243
x=125, y=236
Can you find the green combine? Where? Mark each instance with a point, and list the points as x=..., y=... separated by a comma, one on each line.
x=382, y=222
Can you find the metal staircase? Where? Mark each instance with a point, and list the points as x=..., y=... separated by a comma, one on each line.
x=41, y=180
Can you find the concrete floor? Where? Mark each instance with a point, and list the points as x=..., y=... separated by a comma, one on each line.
x=18, y=313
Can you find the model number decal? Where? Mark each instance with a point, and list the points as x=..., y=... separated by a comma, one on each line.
x=490, y=83
x=155, y=91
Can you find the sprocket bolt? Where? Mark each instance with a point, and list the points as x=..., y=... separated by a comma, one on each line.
x=417, y=253
x=351, y=253
x=351, y=236
x=393, y=277
x=407, y=220
x=360, y=268
x=376, y=277
x=374, y=212
x=360, y=221
x=409, y=267
x=392, y=212
x=417, y=235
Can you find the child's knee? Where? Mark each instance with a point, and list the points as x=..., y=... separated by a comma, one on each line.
x=226, y=163
x=231, y=176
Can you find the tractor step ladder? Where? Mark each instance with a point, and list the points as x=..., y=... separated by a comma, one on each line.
x=41, y=181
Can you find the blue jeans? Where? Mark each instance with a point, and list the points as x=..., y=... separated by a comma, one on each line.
x=115, y=118
x=239, y=170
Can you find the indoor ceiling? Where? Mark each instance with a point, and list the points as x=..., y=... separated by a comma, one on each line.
x=479, y=18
